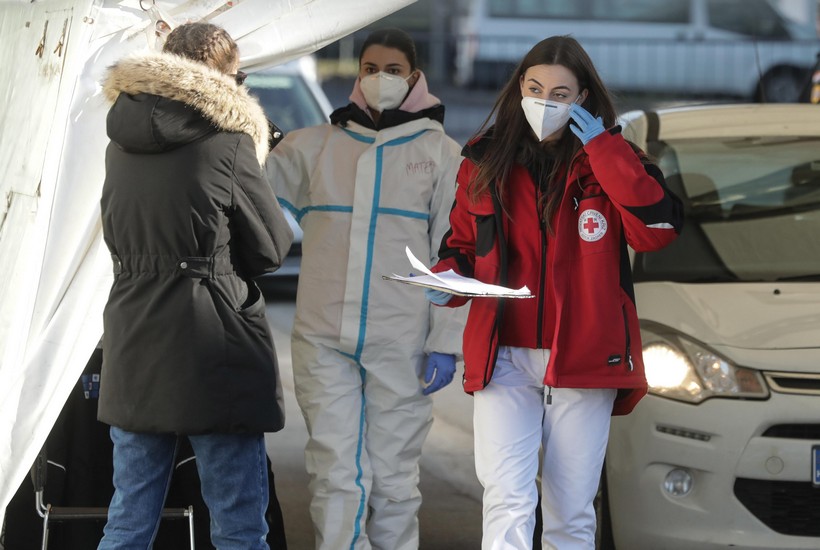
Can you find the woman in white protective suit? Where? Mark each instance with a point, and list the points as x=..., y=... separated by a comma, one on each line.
x=367, y=352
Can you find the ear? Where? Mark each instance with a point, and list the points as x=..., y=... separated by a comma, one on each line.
x=583, y=96
x=414, y=77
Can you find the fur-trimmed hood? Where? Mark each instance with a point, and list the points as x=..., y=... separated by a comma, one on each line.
x=216, y=97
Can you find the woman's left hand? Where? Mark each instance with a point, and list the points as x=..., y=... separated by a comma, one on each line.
x=439, y=372
x=586, y=126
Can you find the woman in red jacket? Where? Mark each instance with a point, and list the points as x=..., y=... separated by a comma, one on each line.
x=552, y=208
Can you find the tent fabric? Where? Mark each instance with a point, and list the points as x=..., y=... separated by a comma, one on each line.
x=55, y=273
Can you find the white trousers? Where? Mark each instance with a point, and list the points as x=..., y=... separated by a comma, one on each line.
x=367, y=423
x=512, y=421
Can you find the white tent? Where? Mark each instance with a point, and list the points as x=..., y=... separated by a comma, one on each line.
x=54, y=269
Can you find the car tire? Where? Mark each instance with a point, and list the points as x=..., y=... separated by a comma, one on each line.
x=781, y=85
x=604, y=539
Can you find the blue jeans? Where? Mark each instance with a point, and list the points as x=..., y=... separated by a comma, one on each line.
x=233, y=474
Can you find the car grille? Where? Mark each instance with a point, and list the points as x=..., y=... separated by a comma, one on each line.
x=788, y=507
x=793, y=382
x=794, y=431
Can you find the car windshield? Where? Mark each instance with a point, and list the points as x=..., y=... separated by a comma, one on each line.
x=752, y=208
x=287, y=100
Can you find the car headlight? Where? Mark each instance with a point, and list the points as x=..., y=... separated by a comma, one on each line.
x=679, y=368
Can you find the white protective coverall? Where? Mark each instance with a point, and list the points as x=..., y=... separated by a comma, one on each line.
x=359, y=343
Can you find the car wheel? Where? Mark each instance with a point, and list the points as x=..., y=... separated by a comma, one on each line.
x=781, y=85
x=603, y=529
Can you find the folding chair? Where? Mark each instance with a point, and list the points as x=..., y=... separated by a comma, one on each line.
x=70, y=513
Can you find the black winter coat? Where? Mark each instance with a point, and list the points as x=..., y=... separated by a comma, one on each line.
x=189, y=219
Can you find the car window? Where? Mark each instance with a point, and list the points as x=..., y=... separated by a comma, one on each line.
x=645, y=11
x=286, y=100
x=752, y=209
x=558, y=9
x=669, y=11
x=747, y=17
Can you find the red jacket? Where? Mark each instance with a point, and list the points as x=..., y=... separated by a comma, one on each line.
x=612, y=199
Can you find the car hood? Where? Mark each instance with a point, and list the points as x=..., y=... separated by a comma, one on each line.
x=747, y=316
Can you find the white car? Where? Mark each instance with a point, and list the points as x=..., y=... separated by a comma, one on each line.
x=758, y=49
x=292, y=98
x=725, y=449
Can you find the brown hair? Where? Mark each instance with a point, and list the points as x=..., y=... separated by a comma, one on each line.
x=205, y=43
x=511, y=132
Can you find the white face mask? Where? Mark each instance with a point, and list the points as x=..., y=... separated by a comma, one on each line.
x=384, y=91
x=545, y=117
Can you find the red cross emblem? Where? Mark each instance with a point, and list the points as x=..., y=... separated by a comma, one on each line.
x=591, y=225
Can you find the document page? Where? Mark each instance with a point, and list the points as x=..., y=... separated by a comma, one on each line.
x=452, y=282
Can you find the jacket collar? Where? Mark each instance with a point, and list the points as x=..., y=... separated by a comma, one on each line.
x=227, y=106
x=388, y=119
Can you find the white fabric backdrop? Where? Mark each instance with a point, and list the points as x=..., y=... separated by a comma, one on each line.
x=54, y=269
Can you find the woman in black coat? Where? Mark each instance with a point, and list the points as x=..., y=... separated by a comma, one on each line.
x=189, y=219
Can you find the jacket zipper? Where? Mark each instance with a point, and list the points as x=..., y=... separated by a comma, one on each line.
x=542, y=279
x=490, y=367
x=627, y=353
x=542, y=284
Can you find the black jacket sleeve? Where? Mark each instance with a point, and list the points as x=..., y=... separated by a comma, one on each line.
x=263, y=234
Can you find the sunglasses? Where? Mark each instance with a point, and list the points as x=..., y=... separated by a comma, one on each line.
x=239, y=77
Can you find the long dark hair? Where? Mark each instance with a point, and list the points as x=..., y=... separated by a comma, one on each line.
x=511, y=132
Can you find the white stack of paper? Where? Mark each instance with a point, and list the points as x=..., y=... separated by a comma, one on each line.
x=453, y=283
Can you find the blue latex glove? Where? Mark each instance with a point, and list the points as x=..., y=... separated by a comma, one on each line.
x=438, y=297
x=588, y=126
x=439, y=372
